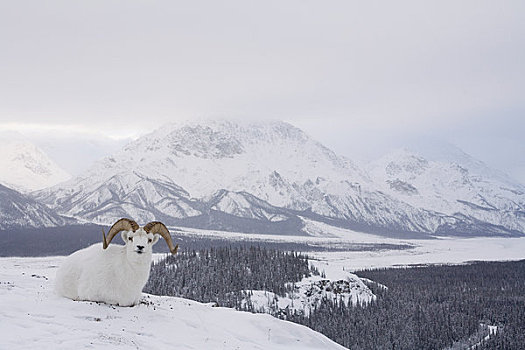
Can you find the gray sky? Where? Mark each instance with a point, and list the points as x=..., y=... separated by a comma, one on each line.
x=360, y=76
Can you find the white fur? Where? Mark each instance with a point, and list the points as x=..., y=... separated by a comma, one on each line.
x=115, y=275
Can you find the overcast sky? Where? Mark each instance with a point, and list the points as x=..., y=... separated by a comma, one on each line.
x=360, y=76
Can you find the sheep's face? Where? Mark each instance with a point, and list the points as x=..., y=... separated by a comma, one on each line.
x=139, y=243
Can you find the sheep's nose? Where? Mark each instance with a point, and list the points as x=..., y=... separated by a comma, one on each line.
x=140, y=247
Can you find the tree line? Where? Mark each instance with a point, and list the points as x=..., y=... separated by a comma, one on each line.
x=222, y=275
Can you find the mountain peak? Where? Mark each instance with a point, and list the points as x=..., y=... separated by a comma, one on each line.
x=213, y=139
x=402, y=163
x=26, y=167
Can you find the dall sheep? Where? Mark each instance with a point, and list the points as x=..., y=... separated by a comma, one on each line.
x=113, y=274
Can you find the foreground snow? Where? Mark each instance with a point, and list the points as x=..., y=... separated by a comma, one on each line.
x=31, y=313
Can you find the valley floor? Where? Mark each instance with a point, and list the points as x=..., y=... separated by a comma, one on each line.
x=338, y=251
x=423, y=252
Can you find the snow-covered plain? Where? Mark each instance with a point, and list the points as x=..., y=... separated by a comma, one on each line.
x=319, y=235
x=31, y=315
x=434, y=251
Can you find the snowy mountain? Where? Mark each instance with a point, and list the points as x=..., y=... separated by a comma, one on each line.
x=458, y=189
x=256, y=177
x=18, y=210
x=25, y=167
x=443, y=152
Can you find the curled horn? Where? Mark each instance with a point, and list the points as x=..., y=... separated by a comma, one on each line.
x=121, y=225
x=160, y=228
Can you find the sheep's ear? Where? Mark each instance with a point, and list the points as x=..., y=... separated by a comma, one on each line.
x=124, y=236
x=155, y=239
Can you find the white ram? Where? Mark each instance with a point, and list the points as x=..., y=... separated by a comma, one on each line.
x=113, y=274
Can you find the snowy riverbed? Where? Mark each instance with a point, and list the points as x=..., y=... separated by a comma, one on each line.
x=435, y=251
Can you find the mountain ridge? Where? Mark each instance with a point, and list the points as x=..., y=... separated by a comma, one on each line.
x=18, y=210
x=265, y=172
x=451, y=188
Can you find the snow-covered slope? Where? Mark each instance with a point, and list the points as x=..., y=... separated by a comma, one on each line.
x=468, y=189
x=18, y=210
x=124, y=194
x=32, y=314
x=25, y=167
x=253, y=176
x=439, y=151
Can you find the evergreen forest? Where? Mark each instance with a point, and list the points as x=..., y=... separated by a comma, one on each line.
x=425, y=307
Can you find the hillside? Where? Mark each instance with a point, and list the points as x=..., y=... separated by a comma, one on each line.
x=458, y=187
x=37, y=315
x=18, y=210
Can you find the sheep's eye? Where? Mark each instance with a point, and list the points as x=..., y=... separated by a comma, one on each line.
x=130, y=239
x=150, y=240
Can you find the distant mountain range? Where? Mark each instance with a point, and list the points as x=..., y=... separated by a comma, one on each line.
x=25, y=167
x=269, y=176
x=465, y=189
x=18, y=210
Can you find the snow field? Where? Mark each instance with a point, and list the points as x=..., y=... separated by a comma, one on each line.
x=30, y=314
x=433, y=251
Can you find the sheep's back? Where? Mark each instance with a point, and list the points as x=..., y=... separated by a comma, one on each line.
x=75, y=268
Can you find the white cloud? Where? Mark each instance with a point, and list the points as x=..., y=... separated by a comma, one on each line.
x=71, y=130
